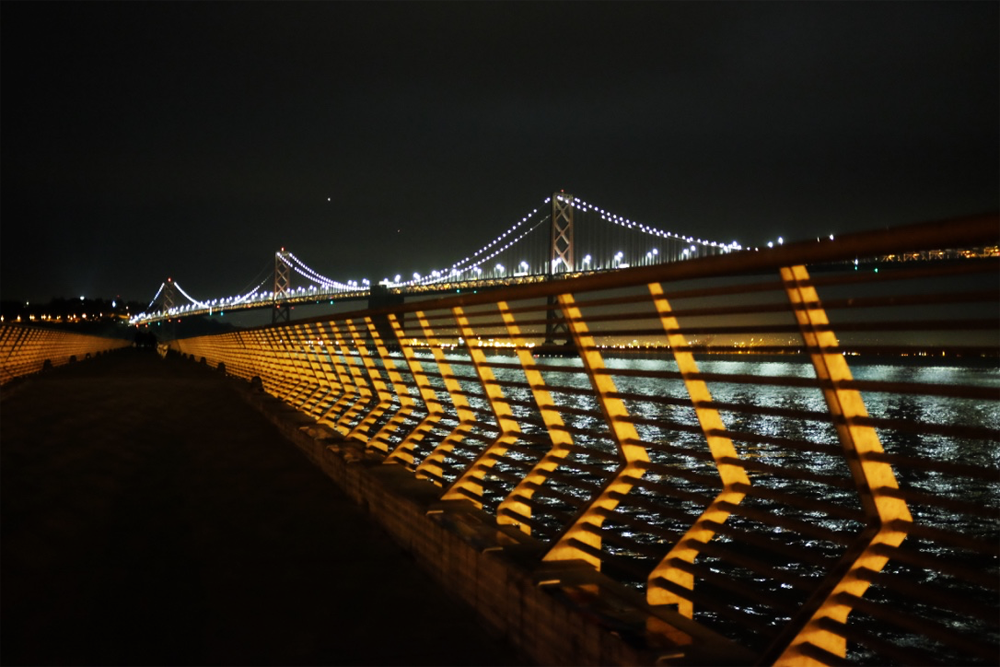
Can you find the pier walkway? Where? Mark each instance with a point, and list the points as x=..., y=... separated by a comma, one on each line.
x=152, y=516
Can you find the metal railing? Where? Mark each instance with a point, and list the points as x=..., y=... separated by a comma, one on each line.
x=796, y=448
x=25, y=349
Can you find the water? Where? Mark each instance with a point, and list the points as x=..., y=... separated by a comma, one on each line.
x=768, y=556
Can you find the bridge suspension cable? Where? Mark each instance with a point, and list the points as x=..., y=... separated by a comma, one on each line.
x=309, y=274
x=249, y=294
x=189, y=297
x=157, y=296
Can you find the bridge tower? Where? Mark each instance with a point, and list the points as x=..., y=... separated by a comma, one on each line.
x=561, y=252
x=282, y=288
x=169, y=295
x=560, y=261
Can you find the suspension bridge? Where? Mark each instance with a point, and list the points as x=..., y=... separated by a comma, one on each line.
x=563, y=237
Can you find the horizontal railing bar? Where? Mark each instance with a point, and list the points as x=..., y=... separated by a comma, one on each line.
x=621, y=540
x=794, y=525
x=913, y=388
x=948, y=537
x=508, y=477
x=725, y=552
x=736, y=587
x=563, y=518
x=513, y=461
x=710, y=603
x=934, y=563
x=915, y=463
x=559, y=475
x=531, y=522
x=691, y=293
x=790, y=552
x=910, y=426
x=932, y=595
x=574, y=464
x=947, y=636
x=804, y=502
x=638, y=500
x=904, y=300
x=901, y=273
x=655, y=399
x=791, y=443
x=541, y=490
x=955, y=505
x=787, y=413
x=788, y=472
x=977, y=324
x=903, y=655
x=708, y=481
x=607, y=456
x=664, y=424
x=616, y=515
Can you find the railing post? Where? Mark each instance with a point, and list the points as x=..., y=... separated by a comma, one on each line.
x=733, y=476
x=581, y=540
x=340, y=360
x=406, y=402
x=432, y=466
x=808, y=635
x=378, y=383
x=363, y=393
x=404, y=450
x=468, y=486
x=302, y=360
x=513, y=506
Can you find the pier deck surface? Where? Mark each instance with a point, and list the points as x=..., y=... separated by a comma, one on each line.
x=151, y=516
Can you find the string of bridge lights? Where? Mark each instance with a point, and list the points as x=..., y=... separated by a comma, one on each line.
x=471, y=264
x=306, y=272
x=476, y=268
x=162, y=285
x=652, y=231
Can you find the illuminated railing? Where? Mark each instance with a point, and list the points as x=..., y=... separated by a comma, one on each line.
x=25, y=350
x=794, y=450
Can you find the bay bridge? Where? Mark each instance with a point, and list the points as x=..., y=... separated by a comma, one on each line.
x=563, y=237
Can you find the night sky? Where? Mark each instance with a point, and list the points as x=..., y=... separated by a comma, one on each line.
x=193, y=140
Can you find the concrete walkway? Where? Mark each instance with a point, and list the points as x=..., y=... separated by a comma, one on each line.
x=151, y=517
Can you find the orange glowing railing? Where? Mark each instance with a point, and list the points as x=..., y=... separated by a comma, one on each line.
x=25, y=349
x=796, y=448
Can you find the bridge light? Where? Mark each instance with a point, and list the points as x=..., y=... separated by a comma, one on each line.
x=780, y=240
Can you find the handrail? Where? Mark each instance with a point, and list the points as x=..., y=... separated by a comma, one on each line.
x=792, y=448
x=25, y=349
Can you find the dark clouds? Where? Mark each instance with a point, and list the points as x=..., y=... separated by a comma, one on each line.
x=141, y=140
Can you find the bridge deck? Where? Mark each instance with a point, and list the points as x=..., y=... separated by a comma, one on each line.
x=151, y=516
